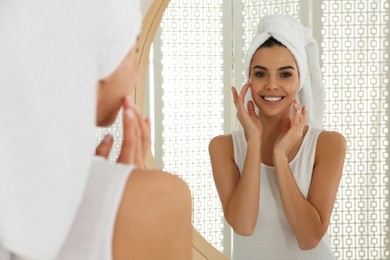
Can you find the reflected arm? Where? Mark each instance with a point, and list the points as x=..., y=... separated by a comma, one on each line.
x=309, y=217
x=239, y=195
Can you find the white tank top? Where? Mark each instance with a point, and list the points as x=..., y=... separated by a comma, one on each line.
x=273, y=238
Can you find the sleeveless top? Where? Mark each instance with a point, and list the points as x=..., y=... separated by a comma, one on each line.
x=273, y=237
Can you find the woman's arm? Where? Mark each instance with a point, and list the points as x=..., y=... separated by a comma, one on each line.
x=309, y=217
x=239, y=195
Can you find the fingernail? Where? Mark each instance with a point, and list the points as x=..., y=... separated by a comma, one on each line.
x=129, y=114
x=108, y=138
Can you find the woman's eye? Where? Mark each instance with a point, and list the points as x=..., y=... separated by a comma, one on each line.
x=260, y=74
x=286, y=74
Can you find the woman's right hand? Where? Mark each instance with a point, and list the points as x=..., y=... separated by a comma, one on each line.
x=247, y=117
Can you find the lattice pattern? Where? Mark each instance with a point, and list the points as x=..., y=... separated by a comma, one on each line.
x=356, y=66
x=116, y=131
x=192, y=82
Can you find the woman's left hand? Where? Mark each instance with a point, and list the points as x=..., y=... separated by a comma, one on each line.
x=136, y=137
x=292, y=131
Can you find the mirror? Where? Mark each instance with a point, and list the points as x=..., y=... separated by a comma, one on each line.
x=201, y=248
x=355, y=69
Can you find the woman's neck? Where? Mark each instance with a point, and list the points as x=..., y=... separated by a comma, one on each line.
x=271, y=126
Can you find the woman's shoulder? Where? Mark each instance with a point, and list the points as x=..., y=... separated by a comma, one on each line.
x=221, y=145
x=333, y=137
x=331, y=142
x=221, y=141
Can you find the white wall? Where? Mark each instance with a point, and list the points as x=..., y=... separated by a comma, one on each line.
x=145, y=5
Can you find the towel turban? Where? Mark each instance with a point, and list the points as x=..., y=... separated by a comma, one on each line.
x=52, y=55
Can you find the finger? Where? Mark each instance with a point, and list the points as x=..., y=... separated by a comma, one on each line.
x=243, y=92
x=297, y=118
x=127, y=102
x=298, y=113
x=295, y=106
x=104, y=148
x=301, y=114
x=251, y=108
x=146, y=139
x=244, y=89
x=302, y=119
x=139, y=128
x=304, y=113
x=235, y=95
x=138, y=137
x=128, y=148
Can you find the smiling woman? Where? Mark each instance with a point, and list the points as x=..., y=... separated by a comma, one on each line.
x=278, y=177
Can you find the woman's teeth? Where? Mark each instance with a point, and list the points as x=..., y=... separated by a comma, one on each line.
x=272, y=99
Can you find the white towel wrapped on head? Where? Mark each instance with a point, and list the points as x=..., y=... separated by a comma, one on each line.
x=297, y=38
x=53, y=53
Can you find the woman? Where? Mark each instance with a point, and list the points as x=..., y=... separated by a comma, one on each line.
x=66, y=67
x=277, y=178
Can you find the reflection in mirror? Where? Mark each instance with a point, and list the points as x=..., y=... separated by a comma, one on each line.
x=198, y=55
x=197, y=58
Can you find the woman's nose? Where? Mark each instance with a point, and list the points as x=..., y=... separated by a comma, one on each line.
x=272, y=83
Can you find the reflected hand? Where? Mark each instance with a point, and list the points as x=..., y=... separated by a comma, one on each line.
x=247, y=117
x=292, y=131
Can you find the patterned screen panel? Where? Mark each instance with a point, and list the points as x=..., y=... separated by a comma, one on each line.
x=116, y=131
x=356, y=72
x=191, y=112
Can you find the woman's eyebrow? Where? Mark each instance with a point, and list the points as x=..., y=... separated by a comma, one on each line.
x=281, y=68
x=260, y=67
x=287, y=68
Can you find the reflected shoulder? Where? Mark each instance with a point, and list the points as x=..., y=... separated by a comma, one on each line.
x=221, y=142
x=332, y=138
x=331, y=143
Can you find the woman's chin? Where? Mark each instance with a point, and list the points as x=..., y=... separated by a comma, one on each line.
x=107, y=120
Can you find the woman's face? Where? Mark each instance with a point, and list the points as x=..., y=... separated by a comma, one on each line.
x=115, y=87
x=274, y=80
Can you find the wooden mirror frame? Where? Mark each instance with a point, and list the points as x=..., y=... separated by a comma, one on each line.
x=201, y=249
